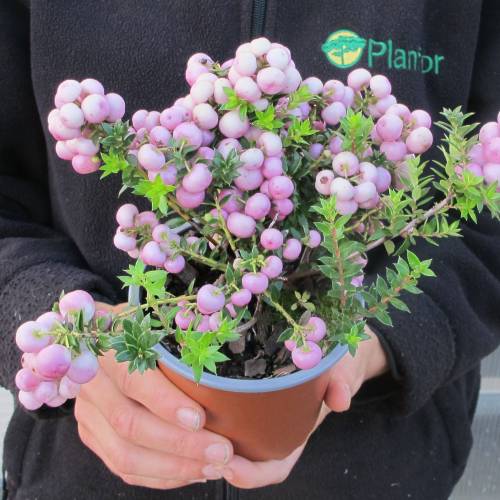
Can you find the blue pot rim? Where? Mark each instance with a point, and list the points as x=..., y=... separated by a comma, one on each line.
x=252, y=385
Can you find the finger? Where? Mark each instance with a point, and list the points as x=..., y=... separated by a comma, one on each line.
x=153, y=390
x=147, y=482
x=128, y=459
x=243, y=473
x=134, y=423
x=338, y=395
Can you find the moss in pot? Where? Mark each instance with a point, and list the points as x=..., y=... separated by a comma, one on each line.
x=266, y=194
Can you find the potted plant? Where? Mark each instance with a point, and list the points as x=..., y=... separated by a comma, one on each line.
x=266, y=194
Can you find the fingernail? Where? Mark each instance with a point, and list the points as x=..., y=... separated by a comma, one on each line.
x=189, y=418
x=217, y=453
x=211, y=472
x=197, y=481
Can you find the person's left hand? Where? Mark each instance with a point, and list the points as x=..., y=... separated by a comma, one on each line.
x=346, y=377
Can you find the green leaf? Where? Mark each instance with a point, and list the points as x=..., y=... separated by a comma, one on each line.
x=266, y=120
x=155, y=191
x=112, y=163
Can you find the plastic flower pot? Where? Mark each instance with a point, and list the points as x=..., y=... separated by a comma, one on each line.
x=264, y=418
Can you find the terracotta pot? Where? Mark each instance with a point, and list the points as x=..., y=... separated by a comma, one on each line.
x=264, y=419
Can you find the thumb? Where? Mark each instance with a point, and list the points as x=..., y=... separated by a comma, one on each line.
x=338, y=395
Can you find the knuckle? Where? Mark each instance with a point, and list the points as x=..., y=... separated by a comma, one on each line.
x=179, y=445
x=123, y=420
x=121, y=462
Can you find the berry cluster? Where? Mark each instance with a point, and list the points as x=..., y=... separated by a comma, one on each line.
x=485, y=156
x=268, y=190
x=51, y=372
x=80, y=108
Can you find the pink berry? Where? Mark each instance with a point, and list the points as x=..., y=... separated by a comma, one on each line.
x=91, y=86
x=26, y=380
x=364, y=192
x=29, y=400
x=260, y=46
x=84, y=164
x=346, y=163
x=278, y=58
x=229, y=199
x=31, y=337
x=314, y=239
x=198, y=179
x=53, y=361
x=280, y=187
x=380, y=86
x=68, y=389
x=283, y=207
x=342, y=189
x=256, y=283
x=71, y=115
x=83, y=368
x=314, y=84
x=231, y=125
x=184, y=318
x=83, y=146
x=159, y=136
x=333, y=91
x=245, y=63
x=489, y=131
x=252, y=159
x=45, y=391
x=125, y=216
x=491, y=150
x=271, y=239
x=50, y=320
x=348, y=207
x=63, y=151
x=210, y=299
x=273, y=267
x=171, y=117
x=187, y=199
x=146, y=219
x=95, y=107
x=205, y=116
x=69, y=91
x=247, y=89
x=241, y=298
x=323, y=182
x=491, y=173
x=270, y=143
x=272, y=167
x=201, y=91
x=116, y=106
x=292, y=249
x=368, y=171
x=76, y=301
x=214, y=321
x=150, y=157
x=175, y=265
x=316, y=329
x=240, y=225
x=139, y=119
x=290, y=344
x=358, y=78
x=258, y=206
x=152, y=254
x=248, y=180
x=308, y=356
x=421, y=118
x=419, y=140
x=271, y=80
x=400, y=110
x=390, y=127
x=395, y=150
x=333, y=113
x=188, y=132
x=168, y=175
x=225, y=147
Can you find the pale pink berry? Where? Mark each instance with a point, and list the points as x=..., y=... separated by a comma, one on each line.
x=272, y=167
x=245, y=63
x=368, y=171
x=314, y=238
x=421, y=118
x=230, y=200
x=50, y=320
x=159, y=136
x=278, y=58
x=315, y=328
x=187, y=199
x=271, y=239
x=256, y=283
x=308, y=356
x=348, y=207
x=198, y=179
x=283, y=207
x=231, y=125
x=247, y=89
x=68, y=389
x=240, y=225
x=364, y=192
x=258, y=206
x=63, y=151
x=248, y=180
x=220, y=96
x=210, y=299
x=380, y=86
x=184, y=318
x=358, y=78
x=146, y=219
x=123, y=241
x=323, y=181
x=95, y=108
x=91, y=86
x=225, y=147
x=139, y=119
x=292, y=249
x=280, y=187
x=71, y=115
x=333, y=113
x=150, y=157
x=188, y=132
x=125, y=216
x=53, y=362
x=116, y=106
x=314, y=84
x=69, y=91
x=346, y=164
x=26, y=380
x=241, y=298
x=491, y=150
x=84, y=164
x=175, y=265
x=342, y=189
x=83, y=367
x=273, y=266
x=419, y=140
x=270, y=143
x=271, y=80
x=202, y=91
x=205, y=116
x=78, y=300
x=252, y=158
x=171, y=117
x=394, y=151
x=390, y=127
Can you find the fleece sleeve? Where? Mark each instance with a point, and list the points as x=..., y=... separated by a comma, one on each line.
x=36, y=262
x=456, y=321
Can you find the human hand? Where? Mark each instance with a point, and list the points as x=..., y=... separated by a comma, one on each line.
x=346, y=377
x=145, y=430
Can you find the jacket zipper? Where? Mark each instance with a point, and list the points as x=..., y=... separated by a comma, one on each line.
x=256, y=30
x=258, y=18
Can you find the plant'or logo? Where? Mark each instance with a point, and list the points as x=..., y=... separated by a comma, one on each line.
x=344, y=48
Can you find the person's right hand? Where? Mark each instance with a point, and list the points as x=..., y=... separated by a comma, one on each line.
x=147, y=431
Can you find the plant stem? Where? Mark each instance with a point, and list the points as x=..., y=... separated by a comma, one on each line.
x=340, y=267
x=203, y=260
x=282, y=311
x=171, y=300
x=222, y=223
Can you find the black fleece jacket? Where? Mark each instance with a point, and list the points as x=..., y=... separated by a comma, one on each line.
x=56, y=227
